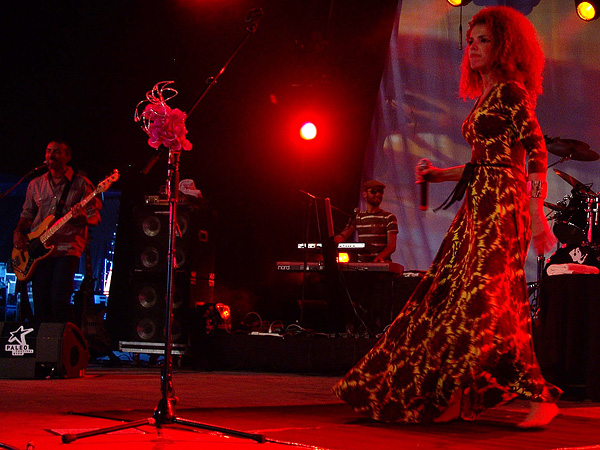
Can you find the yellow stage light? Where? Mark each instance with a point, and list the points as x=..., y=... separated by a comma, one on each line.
x=587, y=9
x=343, y=257
x=459, y=2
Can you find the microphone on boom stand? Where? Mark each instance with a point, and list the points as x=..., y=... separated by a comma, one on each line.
x=27, y=175
x=44, y=165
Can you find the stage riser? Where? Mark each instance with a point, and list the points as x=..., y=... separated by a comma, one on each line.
x=295, y=354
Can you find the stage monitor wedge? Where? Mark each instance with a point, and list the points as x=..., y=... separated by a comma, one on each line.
x=52, y=350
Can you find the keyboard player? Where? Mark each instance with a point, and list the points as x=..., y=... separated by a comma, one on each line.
x=377, y=228
x=372, y=293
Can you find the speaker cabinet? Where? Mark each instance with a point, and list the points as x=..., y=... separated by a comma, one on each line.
x=136, y=305
x=148, y=307
x=193, y=248
x=57, y=350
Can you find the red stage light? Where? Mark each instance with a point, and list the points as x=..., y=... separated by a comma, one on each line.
x=224, y=311
x=308, y=131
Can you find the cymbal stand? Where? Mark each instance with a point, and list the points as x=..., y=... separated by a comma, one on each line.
x=561, y=160
x=535, y=288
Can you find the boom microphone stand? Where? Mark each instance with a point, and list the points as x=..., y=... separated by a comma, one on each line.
x=27, y=175
x=165, y=411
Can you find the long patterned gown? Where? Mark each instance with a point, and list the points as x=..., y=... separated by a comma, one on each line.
x=467, y=326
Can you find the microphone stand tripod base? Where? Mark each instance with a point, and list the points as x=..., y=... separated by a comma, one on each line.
x=164, y=415
x=164, y=412
x=68, y=438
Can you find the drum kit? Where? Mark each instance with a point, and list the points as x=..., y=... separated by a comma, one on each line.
x=575, y=217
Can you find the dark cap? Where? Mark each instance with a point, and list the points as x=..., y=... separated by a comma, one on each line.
x=373, y=184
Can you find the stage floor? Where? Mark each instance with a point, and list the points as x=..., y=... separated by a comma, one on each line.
x=288, y=409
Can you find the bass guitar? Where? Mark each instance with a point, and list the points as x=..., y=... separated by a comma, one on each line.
x=24, y=262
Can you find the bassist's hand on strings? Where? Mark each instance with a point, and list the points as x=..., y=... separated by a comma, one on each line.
x=79, y=213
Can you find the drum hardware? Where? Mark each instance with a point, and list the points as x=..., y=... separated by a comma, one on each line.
x=570, y=222
x=578, y=185
x=578, y=222
x=555, y=207
x=591, y=211
x=570, y=149
x=576, y=215
x=534, y=289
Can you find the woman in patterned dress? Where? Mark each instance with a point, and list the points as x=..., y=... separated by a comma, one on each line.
x=462, y=344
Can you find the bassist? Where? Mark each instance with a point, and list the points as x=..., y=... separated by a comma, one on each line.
x=53, y=194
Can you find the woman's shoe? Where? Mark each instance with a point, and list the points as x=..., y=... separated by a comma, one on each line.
x=540, y=415
x=453, y=411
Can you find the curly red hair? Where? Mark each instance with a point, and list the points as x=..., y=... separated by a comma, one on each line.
x=517, y=49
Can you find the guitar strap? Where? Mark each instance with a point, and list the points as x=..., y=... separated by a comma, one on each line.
x=63, y=198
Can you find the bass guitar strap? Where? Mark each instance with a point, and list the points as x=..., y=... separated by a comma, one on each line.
x=63, y=198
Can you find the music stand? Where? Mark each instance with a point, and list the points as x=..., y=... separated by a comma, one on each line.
x=165, y=412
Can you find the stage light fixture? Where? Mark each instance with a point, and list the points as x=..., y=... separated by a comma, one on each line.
x=458, y=2
x=587, y=9
x=308, y=131
x=343, y=257
x=225, y=313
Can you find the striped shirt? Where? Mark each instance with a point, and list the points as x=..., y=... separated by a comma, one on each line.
x=373, y=230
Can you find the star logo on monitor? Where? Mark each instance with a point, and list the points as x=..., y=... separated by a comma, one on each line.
x=19, y=334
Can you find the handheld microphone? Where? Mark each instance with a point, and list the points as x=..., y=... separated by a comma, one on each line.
x=423, y=205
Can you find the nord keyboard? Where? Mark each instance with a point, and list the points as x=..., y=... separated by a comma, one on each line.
x=312, y=266
x=341, y=245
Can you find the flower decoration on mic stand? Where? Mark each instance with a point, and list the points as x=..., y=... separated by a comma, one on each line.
x=163, y=125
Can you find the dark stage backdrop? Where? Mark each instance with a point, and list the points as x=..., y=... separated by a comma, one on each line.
x=77, y=69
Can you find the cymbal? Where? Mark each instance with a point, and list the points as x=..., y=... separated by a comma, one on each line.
x=572, y=149
x=573, y=181
x=554, y=207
